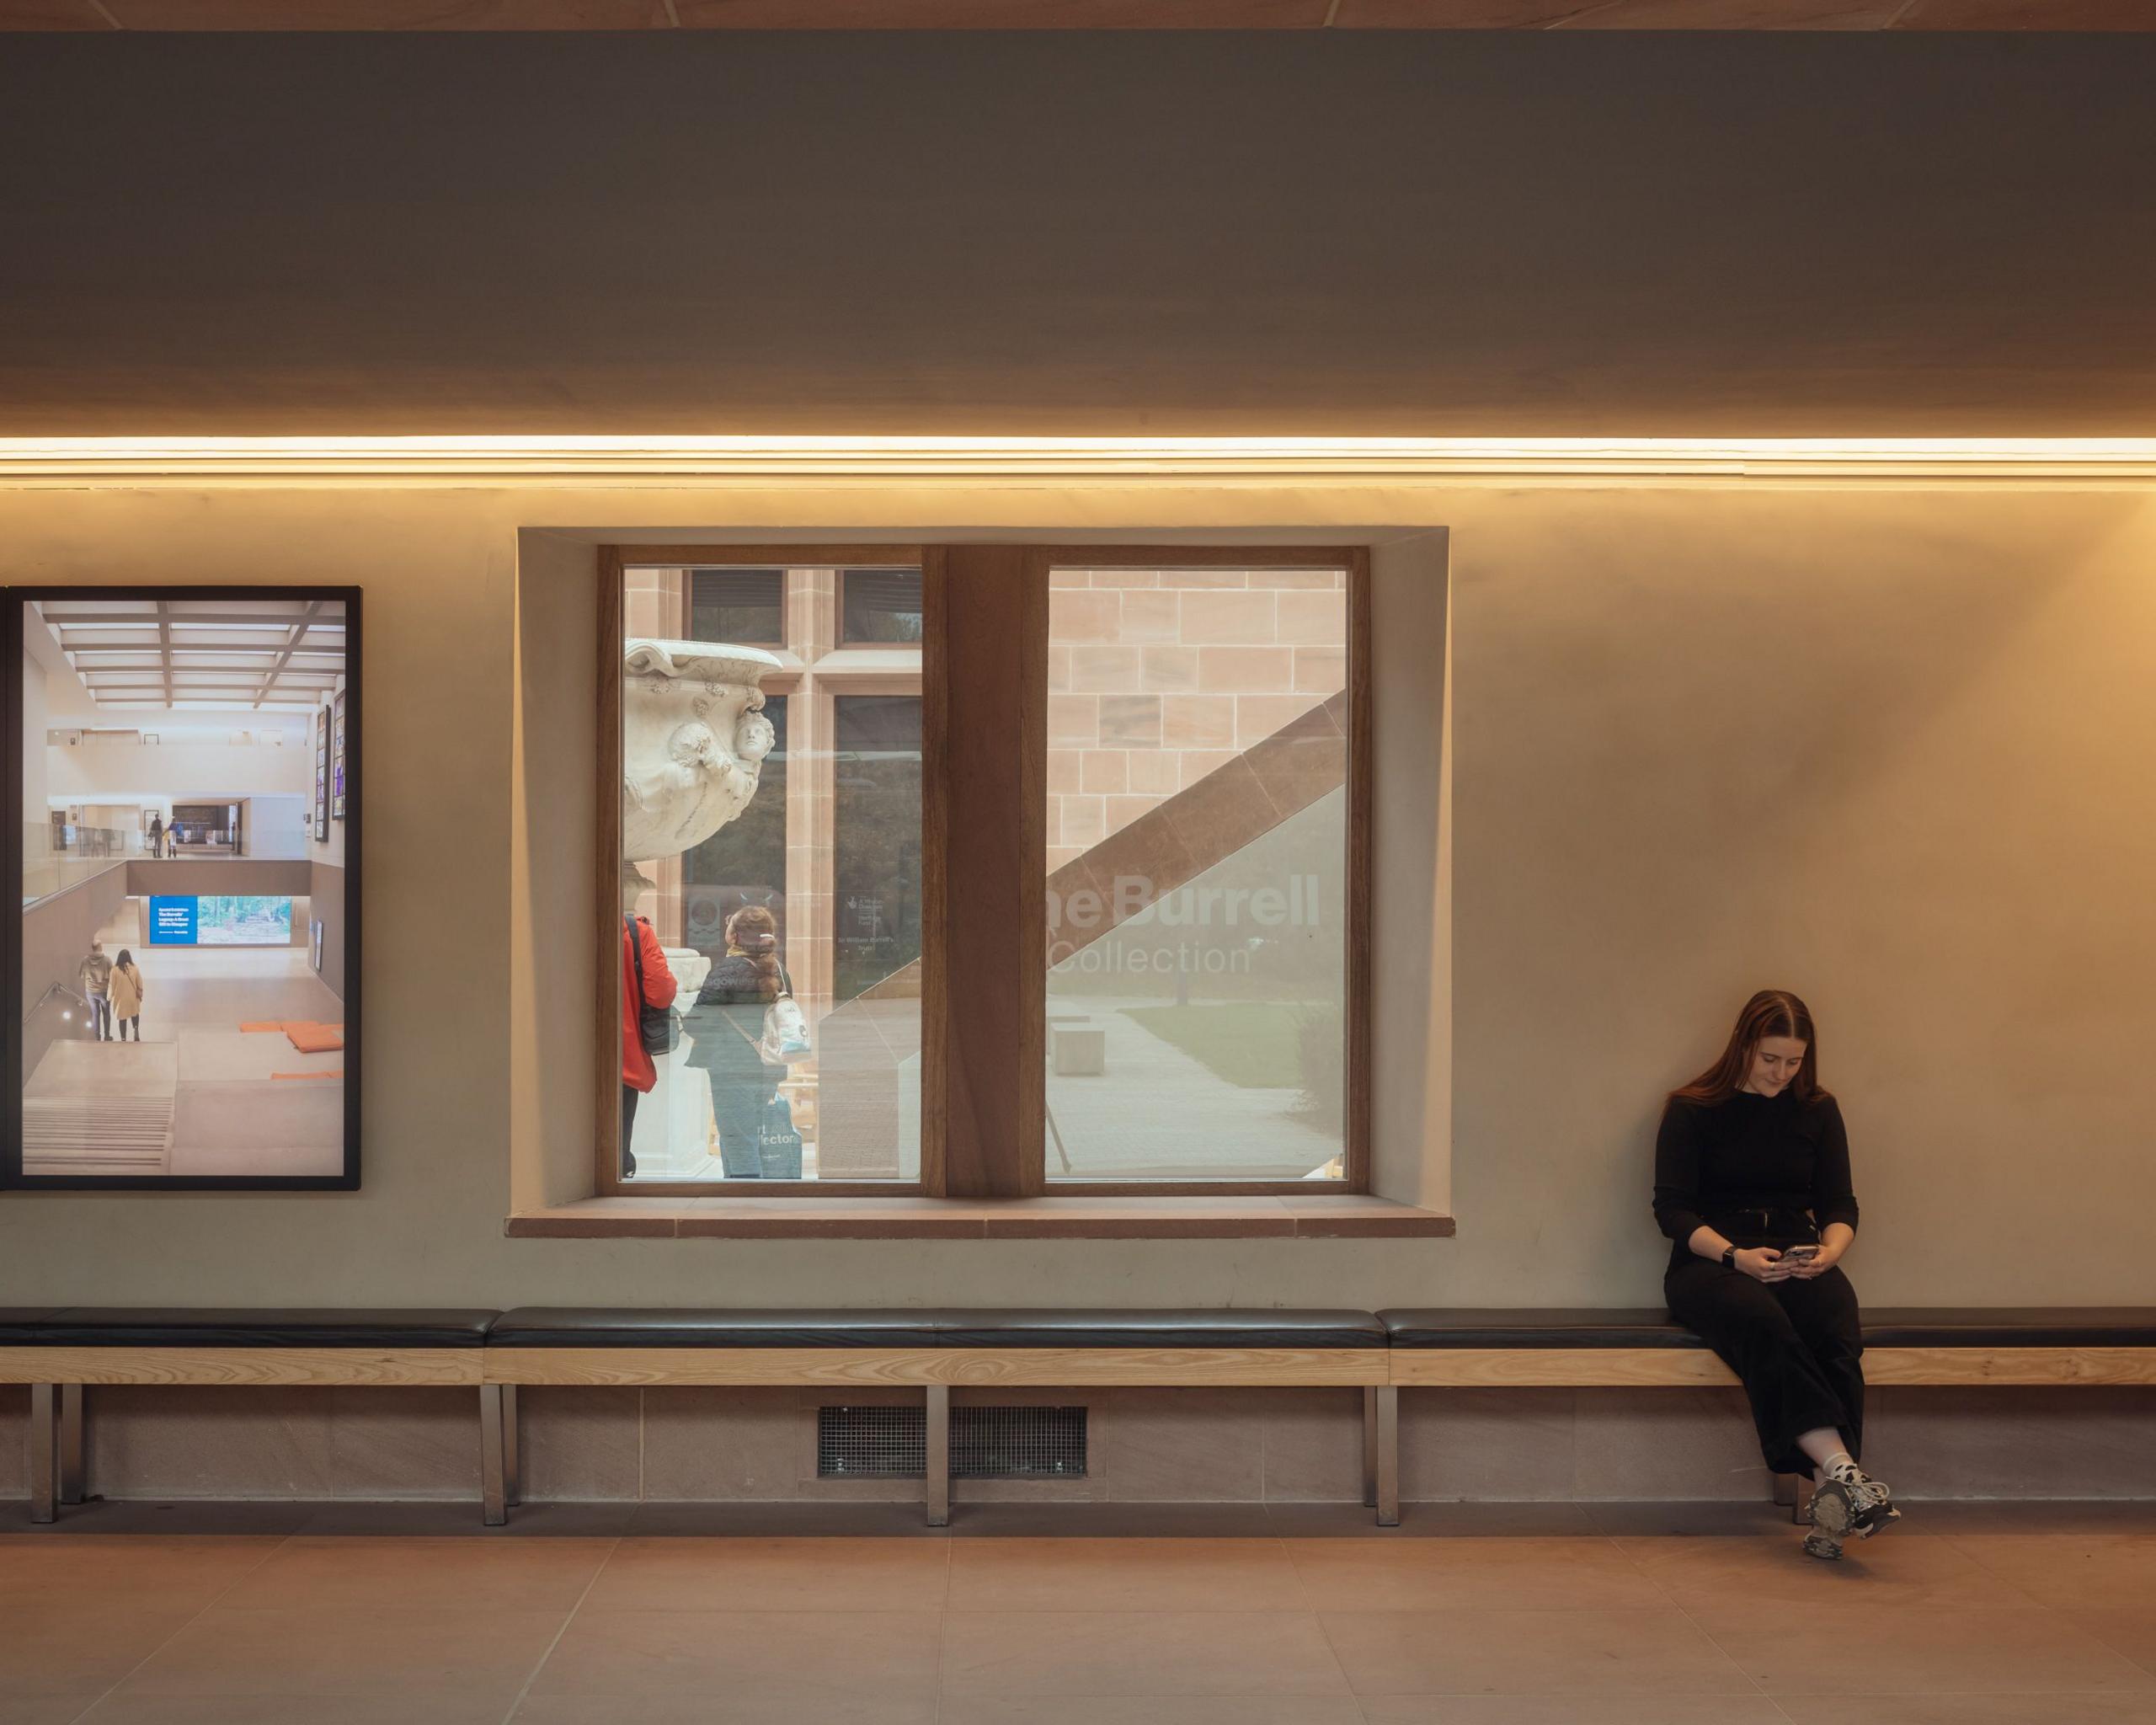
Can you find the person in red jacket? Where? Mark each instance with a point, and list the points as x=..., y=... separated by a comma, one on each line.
x=638, y=1074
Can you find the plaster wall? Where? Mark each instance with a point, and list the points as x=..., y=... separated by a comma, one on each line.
x=1889, y=746
x=158, y=774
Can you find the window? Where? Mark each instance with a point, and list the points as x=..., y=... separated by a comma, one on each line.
x=1076, y=897
x=881, y=608
x=771, y=845
x=1198, y=856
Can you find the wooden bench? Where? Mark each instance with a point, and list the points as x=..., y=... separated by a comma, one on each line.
x=60, y=1354
x=1575, y=1348
x=935, y=1351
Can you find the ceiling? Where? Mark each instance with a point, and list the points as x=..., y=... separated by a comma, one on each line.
x=260, y=656
x=2043, y=15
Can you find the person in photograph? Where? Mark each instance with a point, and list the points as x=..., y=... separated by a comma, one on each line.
x=156, y=837
x=95, y=976
x=1753, y=1188
x=727, y=1027
x=124, y=990
x=642, y=956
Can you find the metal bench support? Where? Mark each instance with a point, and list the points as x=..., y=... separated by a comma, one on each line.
x=493, y=1456
x=938, y=1456
x=45, y=1452
x=73, y=1469
x=1381, y=1451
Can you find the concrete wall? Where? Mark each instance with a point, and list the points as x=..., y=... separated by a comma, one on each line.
x=1354, y=232
x=56, y=934
x=1889, y=746
x=326, y=905
x=107, y=771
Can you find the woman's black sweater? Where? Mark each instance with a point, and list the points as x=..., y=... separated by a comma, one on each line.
x=1747, y=1164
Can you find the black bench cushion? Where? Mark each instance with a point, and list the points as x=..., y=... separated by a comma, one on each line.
x=1884, y=1327
x=1540, y=1326
x=1095, y=1327
x=564, y=1327
x=180, y=1326
x=547, y=1327
x=19, y=1324
x=2011, y=1326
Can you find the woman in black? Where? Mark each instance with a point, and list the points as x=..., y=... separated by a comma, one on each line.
x=1751, y=1184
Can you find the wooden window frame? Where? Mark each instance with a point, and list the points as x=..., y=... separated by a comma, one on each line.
x=983, y=864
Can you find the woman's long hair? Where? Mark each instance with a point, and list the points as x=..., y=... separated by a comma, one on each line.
x=126, y=960
x=1772, y=1012
x=753, y=932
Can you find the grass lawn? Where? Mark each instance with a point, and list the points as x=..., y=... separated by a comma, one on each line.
x=1250, y=1044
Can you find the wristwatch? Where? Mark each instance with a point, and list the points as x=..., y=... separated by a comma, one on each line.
x=1729, y=1256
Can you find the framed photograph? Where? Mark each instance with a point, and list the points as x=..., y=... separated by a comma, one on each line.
x=337, y=762
x=189, y=1021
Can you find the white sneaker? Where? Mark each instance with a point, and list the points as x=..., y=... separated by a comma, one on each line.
x=1871, y=1503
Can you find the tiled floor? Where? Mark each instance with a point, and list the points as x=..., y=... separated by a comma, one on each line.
x=1473, y=1615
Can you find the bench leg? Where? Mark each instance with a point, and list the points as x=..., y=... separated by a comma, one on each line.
x=72, y=1471
x=45, y=1452
x=493, y=1464
x=938, y=1456
x=512, y=1450
x=1387, y=1438
x=1370, y=1446
x=1786, y=1491
x=1800, y=1502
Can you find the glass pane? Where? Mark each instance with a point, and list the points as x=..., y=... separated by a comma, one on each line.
x=1197, y=874
x=771, y=839
x=737, y=605
x=184, y=834
x=883, y=608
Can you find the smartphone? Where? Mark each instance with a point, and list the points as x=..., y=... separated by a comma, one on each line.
x=1797, y=1254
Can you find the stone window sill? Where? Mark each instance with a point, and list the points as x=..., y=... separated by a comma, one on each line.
x=1344, y=1217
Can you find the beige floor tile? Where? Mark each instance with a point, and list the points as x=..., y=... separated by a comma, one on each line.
x=1916, y=1649
x=43, y=1709
x=410, y=1574
x=2070, y=1569
x=1123, y=1575
x=2053, y=1709
x=126, y=1708
x=1152, y=1710
x=1758, y=1570
x=1571, y=1710
x=1128, y=1653
x=773, y=1575
x=2130, y=1629
x=357, y=1652
x=775, y=1658
x=68, y=1648
x=1441, y=1575
x=737, y=1707
x=1647, y=1651
x=142, y=1569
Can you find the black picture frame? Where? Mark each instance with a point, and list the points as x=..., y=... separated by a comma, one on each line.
x=13, y=600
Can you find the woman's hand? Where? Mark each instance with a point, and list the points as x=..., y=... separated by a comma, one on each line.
x=1763, y=1263
x=1820, y=1262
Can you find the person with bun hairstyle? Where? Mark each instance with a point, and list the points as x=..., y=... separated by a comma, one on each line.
x=1752, y=1187
x=727, y=1023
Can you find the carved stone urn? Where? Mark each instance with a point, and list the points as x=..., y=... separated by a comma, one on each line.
x=693, y=741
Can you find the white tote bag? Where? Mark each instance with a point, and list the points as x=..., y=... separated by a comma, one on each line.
x=785, y=1033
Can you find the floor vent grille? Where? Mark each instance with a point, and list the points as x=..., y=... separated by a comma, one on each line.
x=987, y=1443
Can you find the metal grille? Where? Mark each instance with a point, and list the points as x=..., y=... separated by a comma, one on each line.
x=987, y=1443
x=1018, y=1443
x=872, y=1443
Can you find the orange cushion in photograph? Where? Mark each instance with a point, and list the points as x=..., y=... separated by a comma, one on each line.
x=272, y=1024
x=311, y=1038
x=337, y=1073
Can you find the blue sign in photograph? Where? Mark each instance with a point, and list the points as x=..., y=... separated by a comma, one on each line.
x=172, y=921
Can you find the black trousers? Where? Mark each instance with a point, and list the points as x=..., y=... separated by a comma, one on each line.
x=1797, y=1346
x=629, y=1094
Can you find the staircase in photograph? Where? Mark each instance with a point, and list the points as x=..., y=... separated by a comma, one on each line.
x=100, y=1108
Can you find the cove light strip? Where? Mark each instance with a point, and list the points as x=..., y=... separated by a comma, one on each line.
x=583, y=458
